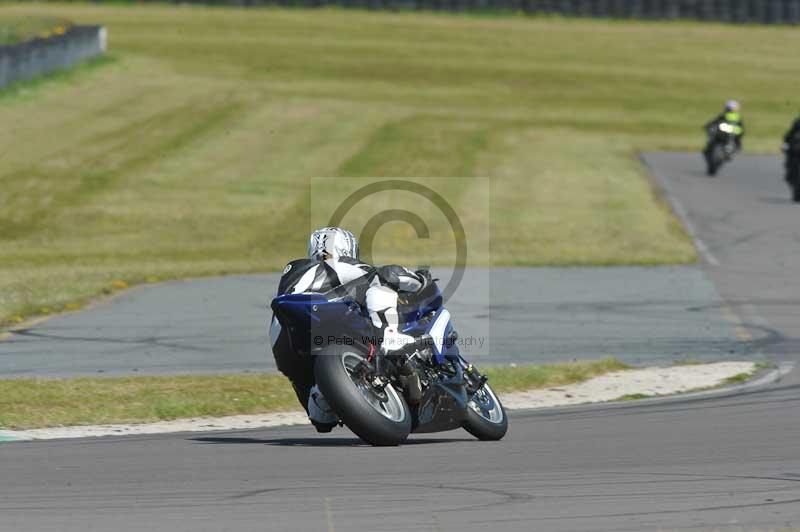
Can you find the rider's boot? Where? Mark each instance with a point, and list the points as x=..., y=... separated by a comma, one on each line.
x=411, y=383
x=320, y=412
x=382, y=307
x=393, y=342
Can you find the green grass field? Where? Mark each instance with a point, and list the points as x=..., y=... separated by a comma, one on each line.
x=15, y=29
x=190, y=152
x=36, y=403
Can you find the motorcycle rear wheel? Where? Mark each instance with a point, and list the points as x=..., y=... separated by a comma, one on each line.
x=379, y=417
x=486, y=418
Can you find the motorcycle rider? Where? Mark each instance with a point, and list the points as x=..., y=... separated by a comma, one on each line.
x=791, y=147
x=730, y=115
x=333, y=263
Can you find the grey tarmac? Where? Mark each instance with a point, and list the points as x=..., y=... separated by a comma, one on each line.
x=643, y=316
x=716, y=464
x=751, y=228
x=710, y=463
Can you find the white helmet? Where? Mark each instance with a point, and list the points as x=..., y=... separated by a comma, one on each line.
x=332, y=243
x=732, y=105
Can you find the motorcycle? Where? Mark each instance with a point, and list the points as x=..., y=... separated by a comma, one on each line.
x=426, y=386
x=793, y=171
x=721, y=146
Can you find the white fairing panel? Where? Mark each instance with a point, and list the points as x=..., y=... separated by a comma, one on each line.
x=437, y=330
x=274, y=331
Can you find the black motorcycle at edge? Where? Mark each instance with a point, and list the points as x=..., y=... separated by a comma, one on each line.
x=793, y=171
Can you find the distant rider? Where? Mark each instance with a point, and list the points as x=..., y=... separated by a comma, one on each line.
x=332, y=263
x=730, y=115
x=791, y=146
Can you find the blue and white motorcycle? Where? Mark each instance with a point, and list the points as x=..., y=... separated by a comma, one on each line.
x=426, y=386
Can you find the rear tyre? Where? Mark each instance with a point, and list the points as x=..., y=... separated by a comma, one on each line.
x=486, y=418
x=796, y=194
x=379, y=417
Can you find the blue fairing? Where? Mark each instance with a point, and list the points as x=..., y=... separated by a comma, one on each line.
x=308, y=316
x=440, y=329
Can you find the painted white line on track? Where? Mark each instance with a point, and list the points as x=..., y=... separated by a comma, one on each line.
x=683, y=216
x=10, y=437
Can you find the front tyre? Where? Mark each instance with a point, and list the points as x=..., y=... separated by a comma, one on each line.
x=793, y=178
x=716, y=158
x=711, y=168
x=379, y=417
x=486, y=418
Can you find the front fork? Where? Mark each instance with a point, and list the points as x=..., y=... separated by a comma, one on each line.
x=474, y=380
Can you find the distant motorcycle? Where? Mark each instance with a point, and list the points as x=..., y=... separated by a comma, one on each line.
x=793, y=170
x=721, y=146
x=426, y=386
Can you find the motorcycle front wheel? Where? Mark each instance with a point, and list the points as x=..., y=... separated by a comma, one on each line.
x=378, y=415
x=793, y=178
x=486, y=418
x=715, y=158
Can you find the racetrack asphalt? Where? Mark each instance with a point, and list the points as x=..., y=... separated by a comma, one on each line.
x=643, y=316
x=750, y=230
x=724, y=464
x=713, y=463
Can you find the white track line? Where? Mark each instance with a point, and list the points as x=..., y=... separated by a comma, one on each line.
x=683, y=216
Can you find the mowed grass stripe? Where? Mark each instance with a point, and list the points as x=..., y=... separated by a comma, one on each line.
x=37, y=195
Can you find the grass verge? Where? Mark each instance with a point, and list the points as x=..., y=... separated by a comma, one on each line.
x=38, y=403
x=634, y=397
x=15, y=29
x=192, y=154
x=520, y=378
x=31, y=88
